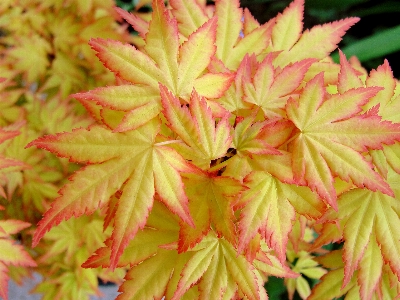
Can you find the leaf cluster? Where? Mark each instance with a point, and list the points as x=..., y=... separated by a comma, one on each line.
x=44, y=56
x=226, y=147
x=219, y=152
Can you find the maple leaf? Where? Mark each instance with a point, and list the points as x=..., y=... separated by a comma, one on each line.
x=223, y=274
x=150, y=249
x=131, y=162
x=270, y=88
x=165, y=266
x=10, y=252
x=220, y=268
x=29, y=181
x=330, y=286
x=7, y=134
x=329, y=233
x=190, y=15
x=257, y=146
x=303, y=263
x=267, y=262
x=332, y=136
x=197, y=126
x=180, y=67
x=385, y=282
x=62, y=252
x=234, y=39
x=231, y=46
x=348, y=78
x=386, y=103
x=367, y=222
x=249, y=138
x=270, y=210
x=386, y=99
x=70, y=236
x=162, y=228
x=140, y=25
x=370, y=218
x=32, y=57
x=232, y=99
x=318, y=42
x=9, y=112
x=210, y=269
x=6, y=162
x=211, y=200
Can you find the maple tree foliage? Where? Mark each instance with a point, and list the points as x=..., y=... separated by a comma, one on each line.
x=44, y=57
x=222, y=150
x=10, y=252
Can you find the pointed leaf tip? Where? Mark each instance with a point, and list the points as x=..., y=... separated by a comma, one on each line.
x=140, y=25
x=127, y=62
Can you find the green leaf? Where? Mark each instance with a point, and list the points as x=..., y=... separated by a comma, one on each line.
x=380, y=44
x=332, y=4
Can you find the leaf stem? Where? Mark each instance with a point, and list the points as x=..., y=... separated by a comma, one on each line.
x=291, y=139
x=219, y=166
x=168, y=142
